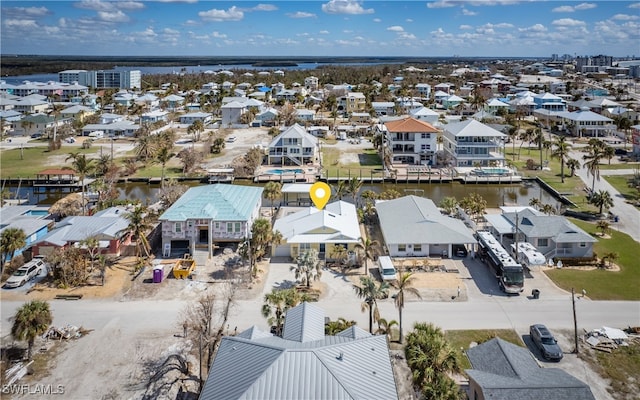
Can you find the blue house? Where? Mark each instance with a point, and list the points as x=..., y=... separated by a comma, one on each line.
x=206, y=215
x=31, y=219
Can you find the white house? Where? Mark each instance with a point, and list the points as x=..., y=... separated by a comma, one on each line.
x=425, y=114
x=384, y=107
x=294, y=146
x=470, y=143
x=411, y=141
x=311, y=228
x=190, y=118
x=231, y=113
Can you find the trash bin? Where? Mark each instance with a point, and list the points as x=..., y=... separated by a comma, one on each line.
x=616, y=219
x=157, y=275
x=535, y=293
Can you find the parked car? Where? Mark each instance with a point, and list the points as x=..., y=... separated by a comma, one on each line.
x=620, y=152
x=26, y=273
x=36, y=135
x=387, y=270
x=231, y=139
x=544, y=340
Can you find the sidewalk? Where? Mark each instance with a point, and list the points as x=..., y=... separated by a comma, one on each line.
x=629, y=221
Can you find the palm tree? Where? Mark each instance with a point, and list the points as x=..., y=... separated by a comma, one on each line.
x=337, y=326
x=560, y=152
x=83, y=166
x=449, y=205
x=272, y=191
x=338, y=253
x=144, y=147
x=604, y=226
x=573, y=165
x=11, y=240
x=341, y=190
x=548, y=209
x=307, y=267
x=370, y=248
x=592, y=164
x=163, y=156
x=370, y=292
x=386, y=327
x=277, y=303
x=138, y=228
x=431, y=358
x=535, y=203
x=404, y=287
x=601, y=199
x=610, y=257
x=31, y=320
x=353, y=188
x=608, y=152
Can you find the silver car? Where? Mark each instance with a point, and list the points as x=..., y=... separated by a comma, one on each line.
x=544, y=340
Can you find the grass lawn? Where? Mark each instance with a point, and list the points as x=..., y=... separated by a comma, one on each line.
x=605, y=166
x=365, y=161
x=602, y=284
x=620, y=182
x=620, y=367
x=35, y=160
x=462, y=338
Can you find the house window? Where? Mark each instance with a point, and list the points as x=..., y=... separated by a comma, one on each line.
x=543, y=242
x=237, y=227
x=304, y=247
x=229, y=226
x=217, y=225
x=402, y=248
x=178, y=227
x=417, y=248
x=425, y=147
x=583, y=244
x=425, y=136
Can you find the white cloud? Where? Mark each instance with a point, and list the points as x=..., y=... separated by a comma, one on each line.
x=324, y=32
x=218, y=35
x=468, y=13
x=177, y=1
x=409, y=20
x=264, y=7
x=441, y=4
x=301, y=14
x=634, y=5
x=534, y=28
x=232, y=14
x=347, y=42
x=625, y=17
x=579, y=7
x=169, y=31
x=20, y=23
x=95, y=5
x=23, y=12
x=395, y=28
x=191, y=22
x=568, y=22
x=406, y=35
x=377, y=20
x=112, y=16
x=129, y=5
x=345, y=7
x=465, y=27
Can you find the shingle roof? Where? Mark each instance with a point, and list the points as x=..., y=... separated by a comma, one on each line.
x=413, y=219
x=410, y=125
x=220, y=202
x=505, y=371
x=555, y=226
x=331, y=367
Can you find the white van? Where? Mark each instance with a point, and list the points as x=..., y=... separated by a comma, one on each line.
x=97, y=134
x=387, y=270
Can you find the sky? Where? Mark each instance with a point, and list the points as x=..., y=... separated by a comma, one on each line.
x=439, y=28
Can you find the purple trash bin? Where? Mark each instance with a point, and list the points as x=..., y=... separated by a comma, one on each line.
x=157, y=275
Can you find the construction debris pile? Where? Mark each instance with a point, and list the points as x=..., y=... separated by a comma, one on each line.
x=67, y=332
x=607, y=339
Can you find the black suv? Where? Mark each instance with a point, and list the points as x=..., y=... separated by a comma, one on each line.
x=545, y=341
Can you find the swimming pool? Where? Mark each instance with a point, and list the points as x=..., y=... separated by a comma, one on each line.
x=278, y=171
x=492, y=171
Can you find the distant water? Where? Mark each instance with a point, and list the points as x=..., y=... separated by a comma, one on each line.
x=186, y=69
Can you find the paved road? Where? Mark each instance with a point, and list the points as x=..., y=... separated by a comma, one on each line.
x=629, y=221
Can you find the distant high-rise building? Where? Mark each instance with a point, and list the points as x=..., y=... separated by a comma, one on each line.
x=554, y=57
x=593, y=61
x=103, y=79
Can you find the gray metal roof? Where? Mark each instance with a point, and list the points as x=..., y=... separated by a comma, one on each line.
x=304, y=323
x=252, y=366
x=413, y=219
x=505, y=371
x=77, y=228
x=473, y=128
x=549, y=226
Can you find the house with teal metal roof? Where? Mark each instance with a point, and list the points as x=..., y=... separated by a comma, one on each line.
x=211, y=214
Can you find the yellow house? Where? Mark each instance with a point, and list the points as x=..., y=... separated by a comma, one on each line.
x=322, y=230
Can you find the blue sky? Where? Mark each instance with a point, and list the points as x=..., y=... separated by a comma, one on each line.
x=495, y=28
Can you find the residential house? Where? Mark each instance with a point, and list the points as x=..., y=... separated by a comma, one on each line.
x=231, y=113
x=472, y=143
x=635, y=139
x=552, y=235
x=587, y=123
x=154, y=116
x=414, y=227
x=172, y=102
x=302, y=364
x=440, y=96
x=77, y=112
x=114, y=129
x=426, y=115
x=411, y=141
x=208, y=215
x=40, y=123
x=424, y=90
x=360, y=117
x=444, y=87
x=305, y=115
x=384, y=107
x=190, y=118
x=452, y=101
x=31, y=104
x=502, y=370
x=352, y=102
x=494, y=105
x=109, y=118
x=124, y=98
x=294, y=146
x=108, y=226
x=287, y=95
x=268, y=117
x=30, y=219
x=311, y=83
x=321, y=230
x=550, y=102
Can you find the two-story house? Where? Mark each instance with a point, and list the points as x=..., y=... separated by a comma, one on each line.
x=472, y=143
x=411, y=141
x=211, y=214
x=294, y=146
x=352, y=102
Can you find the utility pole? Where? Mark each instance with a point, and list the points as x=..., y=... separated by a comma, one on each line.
x=575, y=321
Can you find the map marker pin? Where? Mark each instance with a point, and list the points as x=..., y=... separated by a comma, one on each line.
x=320, y=194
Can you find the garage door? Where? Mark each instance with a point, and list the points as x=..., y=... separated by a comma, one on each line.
x=179, y=247
x=282, y=251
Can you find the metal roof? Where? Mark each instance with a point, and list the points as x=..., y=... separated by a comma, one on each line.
x=221, y=202
x=413, y=219
x=261, y=368
x=77, y=228
x=295, y=131
x=505, y=371
x=473, y=128
x=544, y=226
